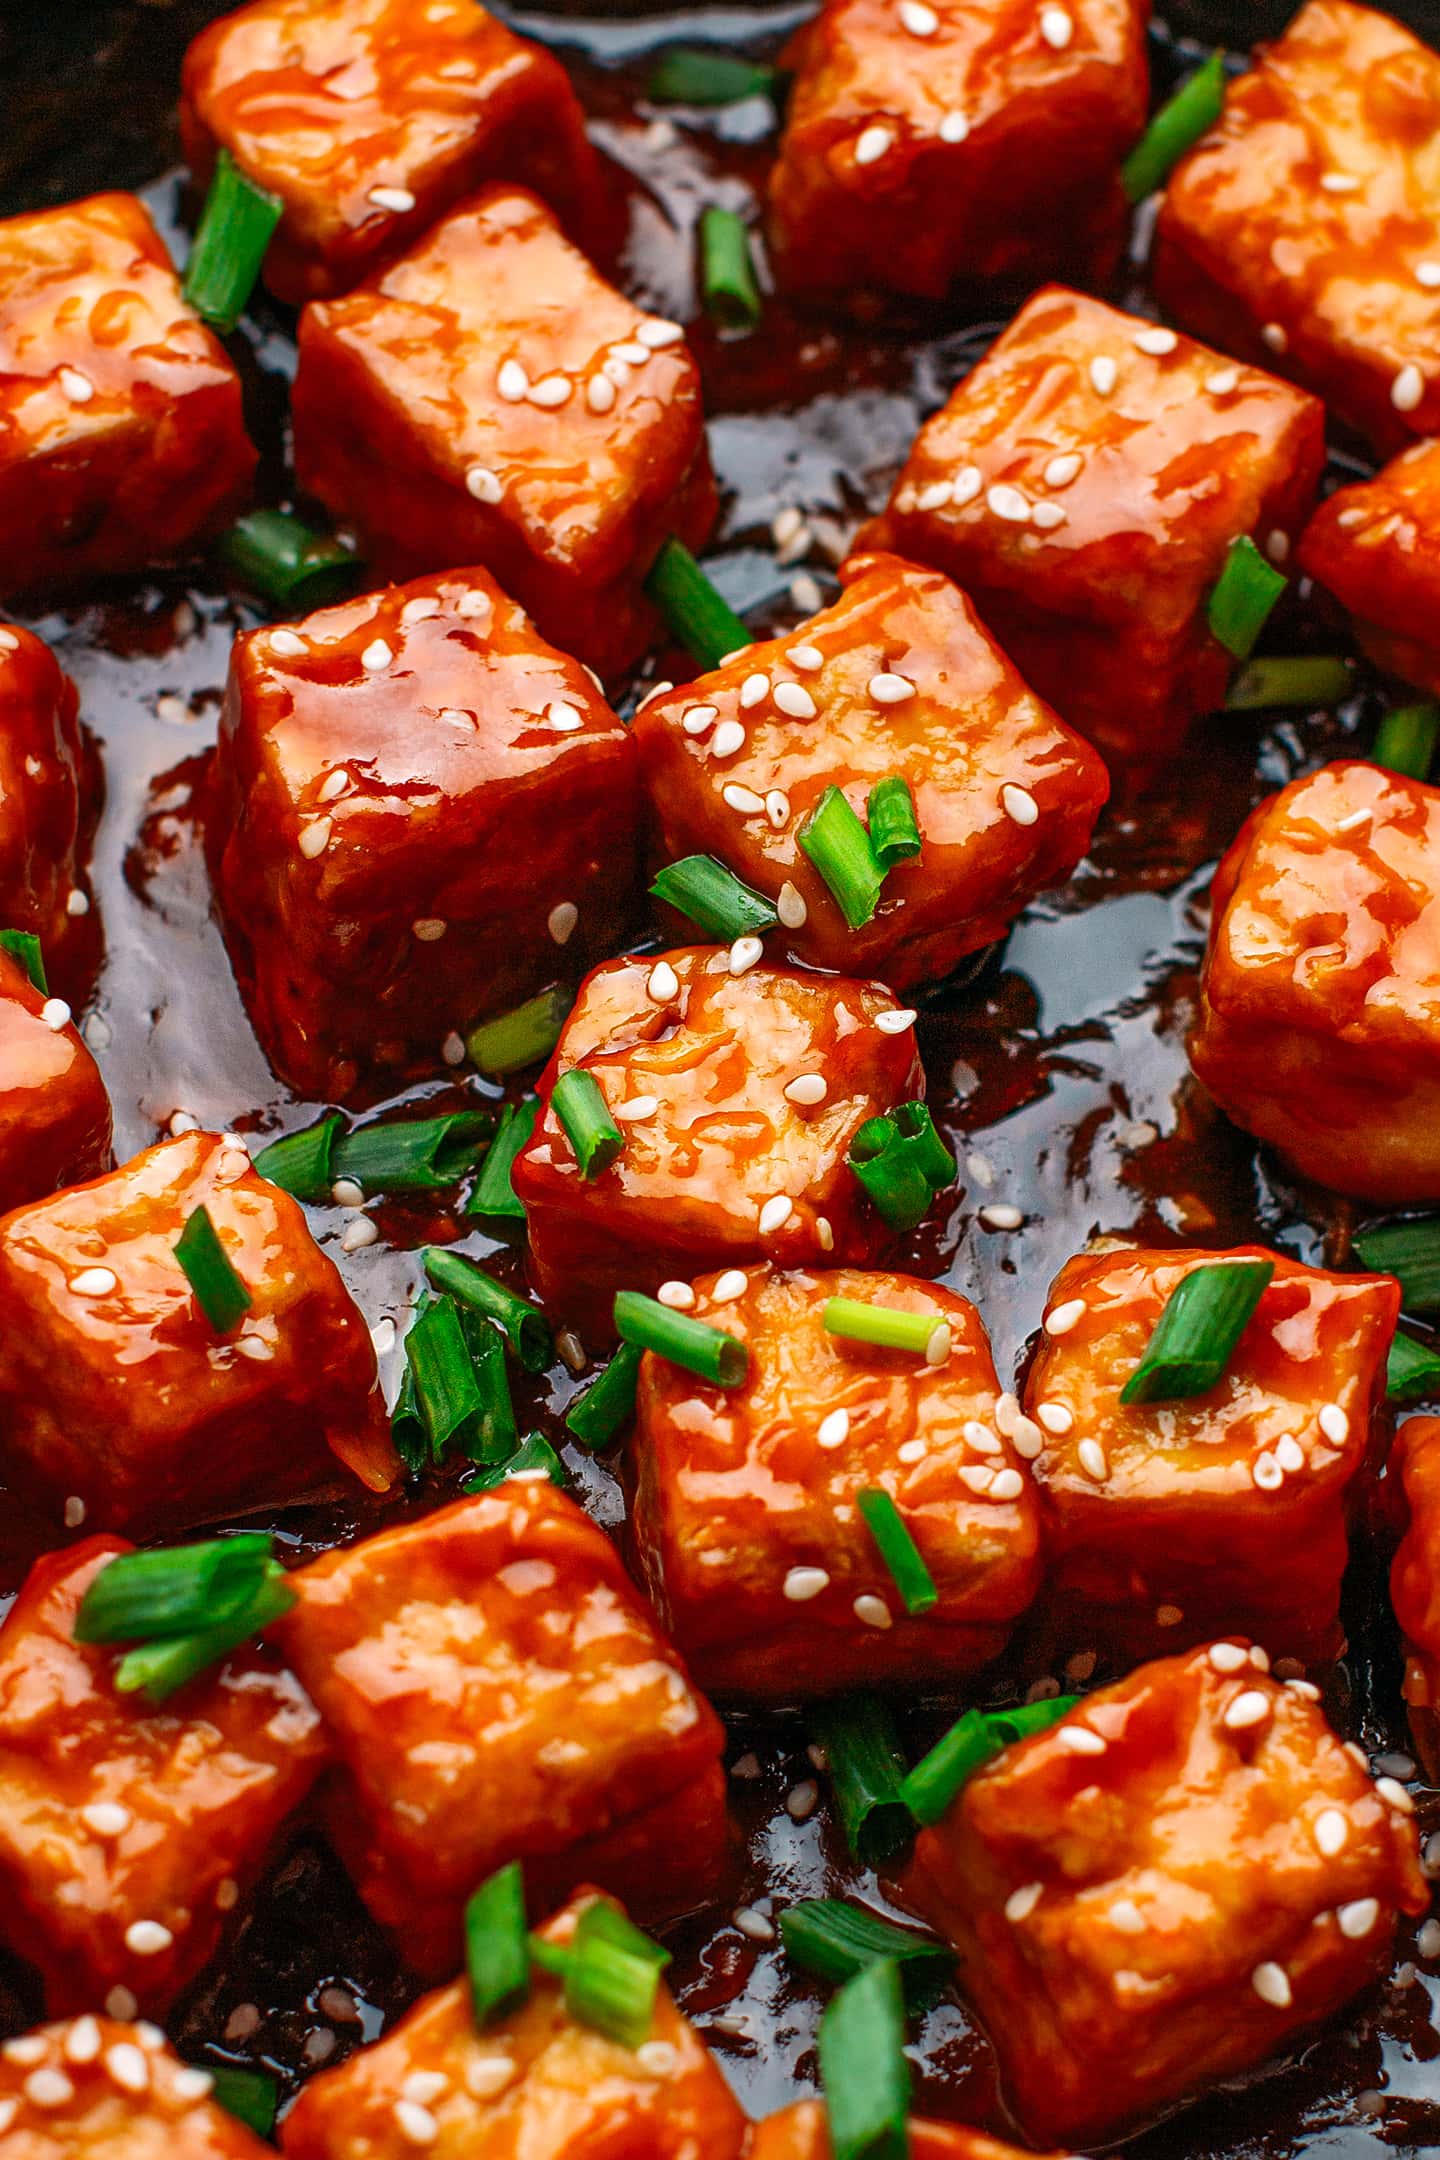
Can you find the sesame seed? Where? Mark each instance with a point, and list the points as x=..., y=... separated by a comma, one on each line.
x=1250, y=1707
x=1395, y=1795
x=1169, y=1615
x=696, y=718
x=978, y=1476
x=416, y=2124
x=873, y=144
x=1019, y=804
x=107, y=1818
x=561, y=921
x=600, y=394
x=753, y=689
x=1009, y=504
x=1357, y=1919
x=663, y=983
x=1331, y=1832
x=937, y=1350
x=936, y=495
x=512, y=382
x=56, y=1014
x=148, y=1938
x=1339, y=183
x=398, y=199
x=954, y=127
x=655, y=333
x=1080, y=1740
x=128, y=2066
x=27, y=2048
x=921, y=21
x=727, y=739
x=824, y=1235
x=1427, y=1939
x=888, y=689
x=1277, y=546
x=804, y=1583
x=94, y=1282
x=805, y=594
x=483, y=484
x=744, y=800
x=1063, y=469
x=315, y=837
x=656, y=690
x=347, y=1192
x=808, y=658
x=980, y=1438
x=1001, y=1216
x=1007, y=1484
x=1272, y=1984
x=1156, y=342
x=793, y=699
x=1055, y=1417
x=775, y=1213
x=77, y=902
x=744, y=953
x=834, y=1429
x=121, y=2005
x=911, y=1451
x=1126, y=1917
x=1305, y=1688
x=1356, y=819
x=1334, y=1423
x=615, y=371
x=1267, y=1473
x=74, y=1512
x=489, y=2076
x=1289, y=1454
x=790, y=906
x=1428, y=275
x=1273, y=335
x=786, y=524
x=754, y=1925
x=678, y=1295
x=1223, y=381
x=1104, y=374
x=966, y=485
x=376, y=657
x=872, y=1611
x=1049, y=516
x=48, y=2088
x=429, y=929
x=227, y=1894
x=78, y=388
x=728, y=1286
x=777, y=808
x=1026, y=1439
x=82, y=2041
x=1061, y=1318
x=334, y=783
x=1022, y=1902
x=896, y=1021
x=551, y=392
x=1092, y=1460
x=802, y=1800
x=1056, y=27
x=806, y=1090
x=630, y=353
x=636, y=1109
x=359, y=1233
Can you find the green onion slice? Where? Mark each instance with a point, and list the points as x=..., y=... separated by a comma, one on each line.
x=288, y=563
x=1405, y=741
x=251, y=2096
x=1309, y=683
x=300, y=1162
x=1412, y=1369
x=462, y=1392
x=720, y=1358
x=839, y=846
x=1196, y=1335
x=497, y=1948
x=1181, y=121
x=700, y=75
x=836, y=1940
x=899, y=1551
x=927, y=1334
x=585, y=1119
x=494, y=1195
x=727, y=273
x=867, y=1768
x=894, y=827
x=219, y=1292
x=714, y=897
x=902, y=1163
x=1410, y=1251
x=971, y=1742
x=158, y=1668
x=24, y=946
x=1241, y=602
x=863, y=2066
x=526, y=1330
x=611, y=1973
x=412, y=1154
x=694, y=612
x=407, y=1427
x=534, y=1458
x=230, y=243
x=523, y=1037
x=607, y=1406
x=139, y=1596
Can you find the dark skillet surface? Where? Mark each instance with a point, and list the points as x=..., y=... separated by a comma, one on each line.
x=1062, y=1068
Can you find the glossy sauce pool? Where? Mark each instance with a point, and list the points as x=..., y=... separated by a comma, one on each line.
x=1059, y=1073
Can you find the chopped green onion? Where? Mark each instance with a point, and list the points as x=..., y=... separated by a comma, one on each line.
x=24, y=946
x=461, y=1390
x=902, y=1163
x=839, y=846
x=694, y=612
x=835, y=1941
x=1410, y=1251
x=894, y=828
x=219, y=1292
x=523, y=1037
x=287, y=562
x=1313, y=683
x=534, y=1458
x=611, y=1973
x=300, y=1162
x=407, y=1427
x=494, y=1194
x=139, y=1596
x=251, y=2096
x=497, y=1947
x=1181, y=121
x=888, y=1327
x=1241, y=602
x=495, y=1436
x=1196, y=1336
x=863, y=2066
x=585, y=1118
x=727, y=274
x=699, y=75
x=720, y=1358
x=971, y=1742
x=526, y=1330
x=411, y=1154
x=159, y=1668
x=1412, y=1369
x=1406, y=739
x=899, y=1551
x=599, y=1415
x=713, y=897
x=866, y=1768
x=230, y=243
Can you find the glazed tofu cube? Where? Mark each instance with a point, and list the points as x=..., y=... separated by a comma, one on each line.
x=489, y=398
x=121, y=436
x=119, y=1403
x=370, y=118
x=1083, y=485
x=721, y=1165
x=54, y=1112
x=930, y=147
x=1304, y=230
x=1319, y=1025
x=1165, y=1888
x=802, y=2132
x=383, y=768
x=1415, y=1584
x=495, y=1689
x=107, y=2088
x=127, y=1831
x=1168, y=1522
x=44, y=782
x=746, y=1518
x=1376, y=547
x=899, y=677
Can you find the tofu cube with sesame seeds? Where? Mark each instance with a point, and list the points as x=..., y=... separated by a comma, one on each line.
x=746, y=1516
x=802, y=2132
x=490, y=398
x=1375, y=547
x=371, y=118
x=129, y=1832
x=1166, y=1522
x=1083, y=485
x=495, y=1688
x=1319, y=1024
x=120, y=1405
x=1303, y=231
x=898, y=677
x=122, y=440
x=54, y=1111
x=930, y=146
x=49, y=800
x=1164, y=1889
x=739, y=1089
x=107, y=2087
x=384, y=766
x=1415, y=1582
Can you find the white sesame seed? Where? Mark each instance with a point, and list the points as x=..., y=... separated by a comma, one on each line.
x=1394, y=1794
x=416, y=2124
x=936, y=496
x=727, y=739
x=786, y=524
x=663, y=983
x=1063, y=469
x=129, y=2066
x=1001, y=1216
x=978, y=1476
x=806, y=1090
x=1357, y=1919
x=78, y=388
x=872, y=145
x=775, y=1213
x=1305, y=1688
x=777, y=808
x=376, y=657
x=753, y=689
x=1081, y=1740
x=1334, y=1423
x=802, y=1800
x=615, y=371
x=808, y=658
x=429, y=929
x=1289, y=1454
x=1092, y=1460
x=889, y=689
x=1428, y=275
x=1126, y=1917
x=630, y=352
x=1331, y=1831
x=834, y=1429
x=77, y=902
x=82, y=2041
x=489, y=2076
x=1356, y=819
x=742, y=800
x=824, y=1235
x=107, y=1818
x=255, y=1348
x=980, y=1438
x=937, y=1350
x=678, y=1295
x=1061, y=1318
x=1339, y=183
x=655, y=333
x=1022, y=1902
x=728, y=1286
x=26, y=2048
x=872, y=1611
x=637, y=1109
x=56, y=1014
x=48, y=2088
x=1049, y=516
x=954, y=127
x=1104, y=374
x=512, y=382
x=1273, y=335
x=1156, y=342
x=1427, y=1939
x=1019, y=804
x=551, y=392
x=1008, y=504
x=423, y=609
x=896, y=1021
x=334, y=783
x=121, y=2005
x=1223, y=381
x=921, y=21
x=347, y=1192
x=147, y=1938
x=805, y=594
x=600, y=394
x=1272, y=1984
x=1007, y=1484
x=561, y=921
x=398, y=199
x=966, y=485
x=754, y=1925
x=790, y=906
x=1267, y=1473
x=1250, y=1707
x=1055, y=1417
x=94, y=1282
x=1026, y=1439
x=483, y=484
x=1056, y=27
x=744, y=953
x=803, y=1583
x=75, y=1512
x=696, y=718
x=911, y=1451
x=793, y=699
x=287, y=644
x=359, y=1233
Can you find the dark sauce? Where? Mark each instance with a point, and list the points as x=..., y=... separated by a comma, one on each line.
x=1058, y=1069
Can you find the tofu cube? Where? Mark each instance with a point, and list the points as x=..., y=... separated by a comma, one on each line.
x=122, y=440
x=1415, y=1583
x=746, y=1519
x=1164, y=1889
x=898, y=677
x=1319, y=1026
x=1304, y=229
x=54, y=1111
x=489, y=398
x=1376, y=548
x=720, y=1166
x=495, y=1689
x=117, y=1398
x=930, y=147
x=371, y=118
x=48, y=803
x=1083, y=486
x=1168, y=1522
x=110, y=2089
x=127, y=1831
x=383, y=768
x=802, y=2132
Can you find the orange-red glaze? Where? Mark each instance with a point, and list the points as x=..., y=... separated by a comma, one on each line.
x=201, y=1783
x=1031, y=187
x=1256, y=253
x=496, y=1689
x=1094, y=571
x=43, y=825
x=329, y=103
x=54, y=1111
x=715, y=1054
x=1141, y=1918
x=802, y=2132
x=374, y=794
x=737, y=1487
x=969, y=731
x=1319, y=1024
x=1226, y=1511
x=113, y=2090
x=1376, y=547
x=125, y=1399
x=402, y=429
x=121, y=436
x=1415, y=1583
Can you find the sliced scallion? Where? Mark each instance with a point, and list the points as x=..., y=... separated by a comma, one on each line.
x=158, y=1668
x=894, y=827
x=533, y=1459
x=1197, y=1334
x=1241, y=601
x=24, y=946
x=611, y=1973
x=898, y=1550
x=1412, y=1369
x=838, y=844
x=727, y=274
x=720, y=1358
x=1310, y=683
x=230, y=243
x=585, y=1118
x=219, y=1292
x=494, y=1194
x=1410, y=1251
x=714, y=897
x=695, y=614
x=866, y=1767
x=497, y=1947
x=863, y=2066
x=902, y=1163
x=462, y=1393
x=887, y=1326
x=702, y=75
x=971, y=1742
x=1405, y=740
x=251, y=2096
x=300, y=1162
x=1181, y=121
x=526, y=1330
x=287, y=562
x=836, y=1940
x=608, y=1405
x=411, y=1154
x=140, y=1596
x=407, y=1427
x=525, y=1036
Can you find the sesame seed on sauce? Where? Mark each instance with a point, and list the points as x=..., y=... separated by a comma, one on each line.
x=753, y=689
x=999, y=1215
x=429, y=929
x=600, y=394
x=743, y=800
x=1008, y=504
x=287, y=643
x=727, y=739
x=790, y=906
x=48, y=2088
x=887, y=688
x=804, y=1583
x=94, y=1282
x=1334, y=1423
x=1428, y=275
x=834, y=1429
x=655, y=333
x=777, y=808
x=1047, y=516
x=512, y=382
x=1331, y=1832
x=1092, y=1460
x=728, y=1286
x=1156, y=342
x=872, y=1611
x=1019, y=804
x=794, y=700
x=1273, y=335
x=1104, y=374
x=1408, y=389
x=1394, y=1794
x=128, y=2066
x=921, y=21
x=416, y=2124
x=376, y=657
x=936, y=495
x=483, y=484
x=696, y=718
x=937, y=1350
x=629, y=353
x=980, y=1438
x=1063, y=468
x=1027, y=1439
x=1289, y=1454
x=564, y=717
x=897, y=1020
x=1055, y=1417
x=1357, y=1919
x=55, y=1014
x=978, y=1476
x=148, y=1938
x=1249, y=1708
x=637, y=1109
x=1062, y=1318
x=1081, y=1740
x=82, y=2041
x=677, y=1295
x=754, y=1924
x=1223, y=381
x=561, y=921
x=744, y=953
x=77, y=388
x=872, y=144
x=663, y=983
x=1007, y=1484
x=954, y=127
x=911, y=1451
x=1266, y=1472
x=775, y=1213
x=806, y=1089
x=552, y=392
x=1022, y=1902
x=398, y=199
x=1339, y=183
x=1272, y=1984
x=808, y=658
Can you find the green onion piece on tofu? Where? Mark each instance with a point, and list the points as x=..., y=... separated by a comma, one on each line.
x=607, y=1406
x=866, y=1768
x=287, y=562
x=494, y=1195
x=836, y=1940
x=975, y=1739
x=611, y=1973
x=1410, y=1251
x=1181, y=121
x=139, y=1596
x=534, y=1459
x=863, y=2066
x=219, y=1292
x=462, y=1392
x=300, y=1162
x=585, y=1118
x=708, y=1351
x=694, y=613
x=899, y=1551
x=727, y=273
x=894, y=828
x=497, y=1947
x=230, y=243
x=714, y=897
x=1405, y=741
x=158, y=1668
x=889, y=1327
x=1195, y=1337
x=1241, y=602
x=1412, y=1369
x=1305, y=682
x=526, y=1036
x=24, y=946
x=526, y=1330
x=251, y=2096
x=701, y=75
x=839, y=846
x=411, y=1154
x=902, y=1163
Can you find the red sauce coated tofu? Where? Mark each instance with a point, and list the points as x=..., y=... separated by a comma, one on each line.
x=384, y=766
x=495, y=1689
x=121, y=434
x=115, y=1392
x=533, y=2085
x=370, y=118
x=1319, y=1024
x=1164, y=1888
x=54, y=1111
x=127, y=1830
x=746, y=1517
x=42, y=824
x=1376, y=547
x=930, y=146
x=1083, y=485
x=99, y=2086
x=802, y=2132
x=1168, y=1522
x=723, y=1146
x=1415, y=1584
x=898, y=677
x=489, y=398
